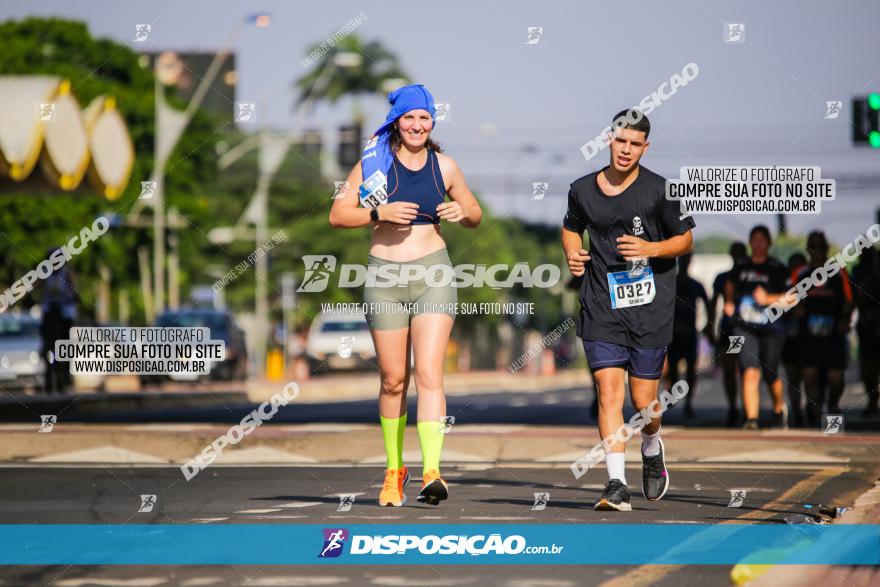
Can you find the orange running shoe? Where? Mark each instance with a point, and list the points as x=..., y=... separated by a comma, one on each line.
x=434, y=489
x=403, y=473
x=392, y=489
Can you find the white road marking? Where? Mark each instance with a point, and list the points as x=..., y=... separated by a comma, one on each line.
x=167, y=427
x=449, y=456
x=139, y=582
x=398, y=581
x=539, y=583
x=488, y=428
x=261, y=454
x=328, y=427
x=99, y=454
x=258, y=511
x=373, y=517
x=295, y=581
x=499, y=518
x=779, y=455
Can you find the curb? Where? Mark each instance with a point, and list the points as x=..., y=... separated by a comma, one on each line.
x=866, y=510
x=29, y=408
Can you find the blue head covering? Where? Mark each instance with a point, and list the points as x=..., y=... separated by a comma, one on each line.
x=377, y=154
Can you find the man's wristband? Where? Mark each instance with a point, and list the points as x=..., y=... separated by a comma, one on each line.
x=374, y=214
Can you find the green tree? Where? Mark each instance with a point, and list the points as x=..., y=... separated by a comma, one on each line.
x=328, y=81
x=34, y=216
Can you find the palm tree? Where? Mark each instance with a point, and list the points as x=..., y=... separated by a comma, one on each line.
x=350, y=67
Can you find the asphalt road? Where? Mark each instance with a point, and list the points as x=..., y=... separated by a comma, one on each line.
x=563, y=407
x=782, y=472
x=479, y=494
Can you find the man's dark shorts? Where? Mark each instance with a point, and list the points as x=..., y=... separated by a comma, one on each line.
x=828, y=351
x=684, y=348
x=644, y=363
x=761, y=349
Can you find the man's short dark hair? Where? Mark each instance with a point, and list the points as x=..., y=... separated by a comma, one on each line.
x=818, y=237
x=796, y=259
x=763, y=230
x=738, y=250
x=642, y=125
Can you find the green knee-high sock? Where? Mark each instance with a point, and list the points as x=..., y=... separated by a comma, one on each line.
x=392, y=431
x=431, y=439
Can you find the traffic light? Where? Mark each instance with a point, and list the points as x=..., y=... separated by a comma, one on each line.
x=866, y=119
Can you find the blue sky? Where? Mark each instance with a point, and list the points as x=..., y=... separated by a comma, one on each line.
x=519, y=113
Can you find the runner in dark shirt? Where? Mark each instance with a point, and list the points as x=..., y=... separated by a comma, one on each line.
x=790, y=349
x=866, y=278
x=728, y=361
x=628, y=294
x=752, y=287
x=823, y=318
x=685, y=338
x=627, y=310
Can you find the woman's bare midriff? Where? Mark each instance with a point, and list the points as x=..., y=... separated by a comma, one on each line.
x=402, y=242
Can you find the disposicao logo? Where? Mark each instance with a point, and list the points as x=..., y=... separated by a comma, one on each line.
x=334, y=541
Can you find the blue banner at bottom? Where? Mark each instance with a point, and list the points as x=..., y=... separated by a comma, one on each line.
x=553, y=544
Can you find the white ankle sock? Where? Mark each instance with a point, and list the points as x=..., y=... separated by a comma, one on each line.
x=651, y=444
x=616, y=464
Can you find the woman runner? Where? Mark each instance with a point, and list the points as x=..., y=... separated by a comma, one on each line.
x=404, y=179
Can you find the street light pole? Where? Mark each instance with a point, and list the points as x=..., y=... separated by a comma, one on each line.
x=159, y=207
x=272, y=152
x=170, y=124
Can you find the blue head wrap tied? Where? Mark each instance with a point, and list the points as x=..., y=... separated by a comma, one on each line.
x=377, y=154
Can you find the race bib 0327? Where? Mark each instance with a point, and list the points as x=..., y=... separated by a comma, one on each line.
x=629, y=289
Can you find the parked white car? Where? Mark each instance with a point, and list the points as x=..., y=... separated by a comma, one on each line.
x=340, y=341
x=21, y=365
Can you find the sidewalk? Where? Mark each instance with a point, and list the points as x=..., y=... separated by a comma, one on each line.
x=866, y=511
x=342, y=444
x=365, y=385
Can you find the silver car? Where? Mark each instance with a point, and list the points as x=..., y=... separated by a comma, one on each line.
x=21, y=365
x=340, y=342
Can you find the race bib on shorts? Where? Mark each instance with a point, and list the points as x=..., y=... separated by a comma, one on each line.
x=374, y=191
x=629, y=288
x=750, y=312
x=820, y=325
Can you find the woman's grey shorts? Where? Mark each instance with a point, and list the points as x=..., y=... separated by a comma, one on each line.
x=421, y=286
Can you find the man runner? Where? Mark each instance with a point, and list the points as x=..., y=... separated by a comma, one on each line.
x=824, y=316
x=685, y=337
x=752, y=286
x=791, y=348
x=866, y=277
x=628, y=292
x=728, y=360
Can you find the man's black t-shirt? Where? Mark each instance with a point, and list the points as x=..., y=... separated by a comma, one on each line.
x=619, y=303
x=826, y=305
x=772, y=276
